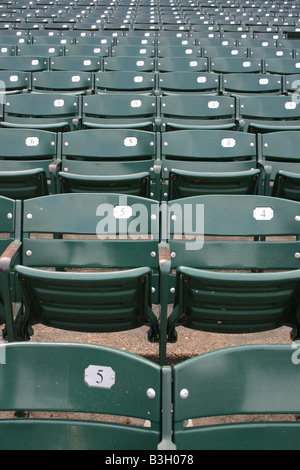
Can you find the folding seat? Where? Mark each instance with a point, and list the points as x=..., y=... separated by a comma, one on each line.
x=236, y=84
x=176, y=41
x=262, y=114
x=230, y=258
x=254, y=43
x=216, y=42
x=40, y=50
x=45, y=111
x=125, y=81
x=235, y=65
x=27, y=162
x=10, y=242
x=292, y=85
x=270, y=53
x=53, y=40
x=188, y=82
x=179, y=51
x=110, y=160
x=7, y=50
x=14, y=81
x=101, y=381
x=197, y=112
x=282, y=66
x=225, y=51
x=142, y=64
x=119, y=110
x=14, y=40
x=105, y=249
x=182, y=64
x=63, y=81
x=88, y=50
x=216, y=162
x=133, y=51
x=279, y=154
x=251, y=380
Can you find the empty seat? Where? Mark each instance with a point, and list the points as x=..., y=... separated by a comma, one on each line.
x=225, y=51
x=235, y=65
x=268, y=113
x=188, y=82
x=215, y=162
x=110, y=160
x=88, y=50
x=26, y=159
x=280, y=155
x=14, y=82
x=253, y=380
x=125, y=81
x=130, y=63
x=132, y=51
x=179, y=51
x=24, y=63
x=42, y=50
x=66, y=81
x=98, y=383
x=46, y=111
x=197, y=112
x=282, y=66
x=119, y=110
x=251, y=84
x=226, y=284
x=182, y=64
x=105, y=247
x=76, y=63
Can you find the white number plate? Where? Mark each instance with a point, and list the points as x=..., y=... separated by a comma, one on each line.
x=99, y=376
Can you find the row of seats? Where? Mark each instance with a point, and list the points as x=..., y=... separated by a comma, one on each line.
x=176, y=82
x=98, y=380
x=100, y=262
x=128, y=161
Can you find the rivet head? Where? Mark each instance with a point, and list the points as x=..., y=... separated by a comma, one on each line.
x=29, y=216
x=151, y=393
x=297, y=218
x=152, y=290
x=9, y=215
x=28, y=253
x=153, y=217
x=153, y=254
x=297, y=255
x=172, y=290
x=174, y=217
x=173, y=254
x=184, y=393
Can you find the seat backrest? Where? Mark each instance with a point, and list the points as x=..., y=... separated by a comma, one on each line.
x=235, y=236
x=43, y=50
x=283, y=66
x=243, y=380
x=107, y=167
x=24, y=63
x=188, y=51
x=119, y=110
x=268, y=113
x=271, y=53
x=130, y=81
x=83, y=379
x=197, y=112
x=78, y=63
x=88, y=50
x=48, y=111
x=182, y=64
x=225, y=51
x=133, y=51
x=15, y=81
x=129, y=63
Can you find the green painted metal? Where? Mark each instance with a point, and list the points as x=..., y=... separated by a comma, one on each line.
x=26, y=158
x=251, y=84
x=88, y=238
x=129, y=63
x=54, y=378
x=24, y=63
x=125, y=81
x=197, y=112
x=188, y=82
x=119, y=161
x=62, y=81
x=198, y=162
x=45, y=111
x=264, y=114
x=235, y=65
x=238, y=278
x=78, y=63
x=244, y=380
x=182, y=64
x=279, y=154
x=120, y=110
